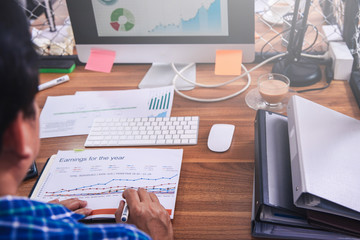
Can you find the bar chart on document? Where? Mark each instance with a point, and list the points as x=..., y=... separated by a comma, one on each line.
x=101, y=176
x=161, y=17
x=160, y=101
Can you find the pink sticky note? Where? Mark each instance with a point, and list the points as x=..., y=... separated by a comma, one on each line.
x=228, y=62
x=100, y=60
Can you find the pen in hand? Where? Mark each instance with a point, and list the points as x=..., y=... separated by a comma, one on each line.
x=125, y=213
x=54, y=82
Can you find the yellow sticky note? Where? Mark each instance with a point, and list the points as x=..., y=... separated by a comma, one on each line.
x=228, y=62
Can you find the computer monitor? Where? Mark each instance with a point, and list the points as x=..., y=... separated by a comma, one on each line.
x=163, y=31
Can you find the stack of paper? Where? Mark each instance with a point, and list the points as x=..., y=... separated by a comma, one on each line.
x=274, y=214
x=74, y=114
x=306, y=173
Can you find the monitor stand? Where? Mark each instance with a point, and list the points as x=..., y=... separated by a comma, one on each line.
x=162, y=74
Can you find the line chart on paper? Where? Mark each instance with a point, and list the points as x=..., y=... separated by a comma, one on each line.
x=107, y=188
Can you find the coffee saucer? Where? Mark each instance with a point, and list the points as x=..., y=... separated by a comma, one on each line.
x=254, y=100
x=271, y=18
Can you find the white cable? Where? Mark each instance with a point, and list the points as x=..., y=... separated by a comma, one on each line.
x=324, y=56
x=210, y=99
x=179, y=74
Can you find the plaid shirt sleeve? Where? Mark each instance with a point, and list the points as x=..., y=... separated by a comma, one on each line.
x=22, y=218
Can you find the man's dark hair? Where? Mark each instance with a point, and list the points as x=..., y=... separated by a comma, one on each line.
x=18, y=65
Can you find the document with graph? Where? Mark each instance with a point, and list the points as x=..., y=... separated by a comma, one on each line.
x=74, y=114
x=100, y=177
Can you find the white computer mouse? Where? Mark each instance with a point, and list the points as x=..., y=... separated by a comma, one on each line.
x=220, y=137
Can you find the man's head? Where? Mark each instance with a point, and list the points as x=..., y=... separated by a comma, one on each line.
x=18, y=66
x=19, y=119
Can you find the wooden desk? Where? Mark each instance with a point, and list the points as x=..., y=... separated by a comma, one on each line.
x=215, y=190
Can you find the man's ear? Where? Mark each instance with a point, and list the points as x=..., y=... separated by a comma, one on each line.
x=15, y=139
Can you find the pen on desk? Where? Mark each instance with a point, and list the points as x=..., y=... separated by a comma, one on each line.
x=54, y=82
x=125, y=213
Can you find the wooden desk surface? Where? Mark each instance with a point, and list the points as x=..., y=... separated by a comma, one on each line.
x=215, y=189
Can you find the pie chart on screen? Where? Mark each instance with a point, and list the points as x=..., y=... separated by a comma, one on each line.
x=122, y=20
x=108, y=2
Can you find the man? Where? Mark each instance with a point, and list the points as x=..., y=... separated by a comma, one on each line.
x=21, y=218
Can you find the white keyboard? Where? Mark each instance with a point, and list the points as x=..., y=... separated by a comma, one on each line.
x=112, y=132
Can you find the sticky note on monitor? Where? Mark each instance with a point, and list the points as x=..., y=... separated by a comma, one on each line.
x=100, y=60
x=228, y=62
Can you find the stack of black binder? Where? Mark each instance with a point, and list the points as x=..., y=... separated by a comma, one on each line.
x=274, y=214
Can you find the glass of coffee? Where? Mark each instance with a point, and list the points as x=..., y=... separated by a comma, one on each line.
x=271, y=93
x=273, y=88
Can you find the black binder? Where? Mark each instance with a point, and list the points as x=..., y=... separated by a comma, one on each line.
x=273, y=186
x=334, y=223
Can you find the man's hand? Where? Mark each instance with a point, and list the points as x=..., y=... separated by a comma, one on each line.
x=146, y=212
x=74, y=204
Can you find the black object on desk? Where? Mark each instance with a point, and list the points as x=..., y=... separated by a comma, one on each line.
x=298, y=69
x=273, y=184
x=56, y=65
x=32, y=172
x=355, y=85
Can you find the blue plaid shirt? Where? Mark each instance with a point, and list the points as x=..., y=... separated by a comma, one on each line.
x=22, y=218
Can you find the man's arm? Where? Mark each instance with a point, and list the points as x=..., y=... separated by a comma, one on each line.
x=146, y=212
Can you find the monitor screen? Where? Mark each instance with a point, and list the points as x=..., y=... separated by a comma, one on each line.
x=177, y=31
